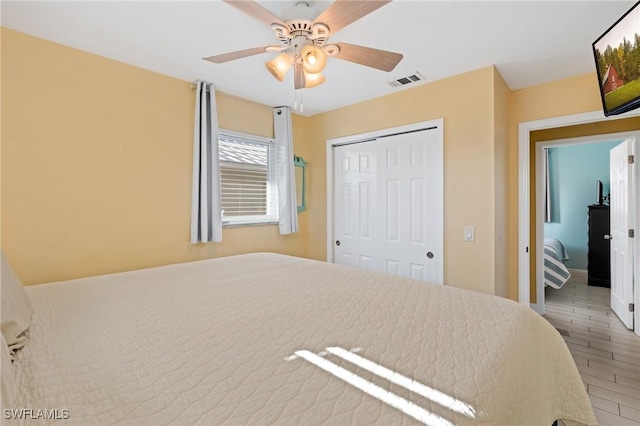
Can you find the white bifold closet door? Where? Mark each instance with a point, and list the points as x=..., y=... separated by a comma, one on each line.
x=388, y=205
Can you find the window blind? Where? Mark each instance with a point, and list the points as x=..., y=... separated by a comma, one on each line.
x=247, y=176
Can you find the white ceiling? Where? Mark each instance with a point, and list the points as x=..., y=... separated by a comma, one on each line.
x=530, y=42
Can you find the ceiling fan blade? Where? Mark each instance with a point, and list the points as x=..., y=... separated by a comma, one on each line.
x=254, y=10
x=231, y=56
x=343, y=12
x=298, y=77
x=374, y=58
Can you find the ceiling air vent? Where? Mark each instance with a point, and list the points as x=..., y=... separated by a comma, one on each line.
x=407, y=80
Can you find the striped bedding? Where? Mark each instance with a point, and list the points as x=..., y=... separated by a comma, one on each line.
x=555, y=273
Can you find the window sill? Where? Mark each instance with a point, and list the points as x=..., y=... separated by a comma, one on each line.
x=242, y=224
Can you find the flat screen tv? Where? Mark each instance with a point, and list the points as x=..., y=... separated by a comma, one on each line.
x=617, y=56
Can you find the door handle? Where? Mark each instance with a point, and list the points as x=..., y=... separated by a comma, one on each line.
x=608, y=237
x=338, y=242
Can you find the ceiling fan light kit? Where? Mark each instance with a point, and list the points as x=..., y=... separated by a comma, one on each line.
x=303, y=40
x=279, y=65
x=313, y=80
x=313, y=59
x=303, y=43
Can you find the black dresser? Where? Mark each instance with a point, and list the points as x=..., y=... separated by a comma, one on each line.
x=598, y=256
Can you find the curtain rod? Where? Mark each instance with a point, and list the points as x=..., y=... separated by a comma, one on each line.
x=193, y=87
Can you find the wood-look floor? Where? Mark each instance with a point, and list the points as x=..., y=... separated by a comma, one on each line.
x=606, y=352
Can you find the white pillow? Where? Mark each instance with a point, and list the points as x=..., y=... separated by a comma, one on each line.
x=15, y=308
x=7, y=378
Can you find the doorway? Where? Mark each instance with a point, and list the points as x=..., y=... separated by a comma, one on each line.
x=575, y=219
x=526, y=215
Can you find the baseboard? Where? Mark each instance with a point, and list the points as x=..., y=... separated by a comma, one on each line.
x=538, y=307
x=578, y=273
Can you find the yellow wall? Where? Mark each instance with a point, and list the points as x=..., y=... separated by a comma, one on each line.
x=502, y=100
x=589, y=129
x=96, y=165
x=466, y=102
x=559, y=98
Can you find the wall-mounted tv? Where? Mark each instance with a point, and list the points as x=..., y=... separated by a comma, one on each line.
x=617, y=56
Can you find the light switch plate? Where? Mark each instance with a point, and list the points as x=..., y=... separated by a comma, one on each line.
x=469, y=233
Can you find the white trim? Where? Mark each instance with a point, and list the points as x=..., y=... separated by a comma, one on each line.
x=330, y=258
x=635, y=149
x=437, y=125
x=523, y=217
x=271, y=216
x=539, y=152
x=524, y=130
x=245, y=136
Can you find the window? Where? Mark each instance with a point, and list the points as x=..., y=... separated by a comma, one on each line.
x=248, y=181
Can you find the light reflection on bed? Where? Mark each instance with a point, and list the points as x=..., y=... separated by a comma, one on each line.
x=390, y=398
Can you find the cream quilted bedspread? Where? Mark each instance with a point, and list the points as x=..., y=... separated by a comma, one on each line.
x=265, y=338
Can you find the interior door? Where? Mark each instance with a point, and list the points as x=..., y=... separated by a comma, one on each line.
x=388, y=198
x=410, y=213
x=621, y=243
x=354, y=192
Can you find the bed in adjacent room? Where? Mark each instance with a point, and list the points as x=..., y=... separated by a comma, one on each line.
x=273, y=339
x=556, y=273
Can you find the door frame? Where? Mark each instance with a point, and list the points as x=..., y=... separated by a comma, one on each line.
x=539, y=217
x=436, y=125
x=524, y=217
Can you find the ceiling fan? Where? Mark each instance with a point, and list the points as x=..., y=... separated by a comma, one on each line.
x=303, y=40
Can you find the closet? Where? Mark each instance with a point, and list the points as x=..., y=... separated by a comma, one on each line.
x=388, y=204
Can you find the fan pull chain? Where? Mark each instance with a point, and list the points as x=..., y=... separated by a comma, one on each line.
x=296, y=102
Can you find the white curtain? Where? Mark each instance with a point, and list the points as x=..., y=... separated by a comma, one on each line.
x=206, y=220
x=286, y=178
x=547, y=187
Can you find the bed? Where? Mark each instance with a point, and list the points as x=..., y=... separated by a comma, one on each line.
x=555, y=256
x=273, y=339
